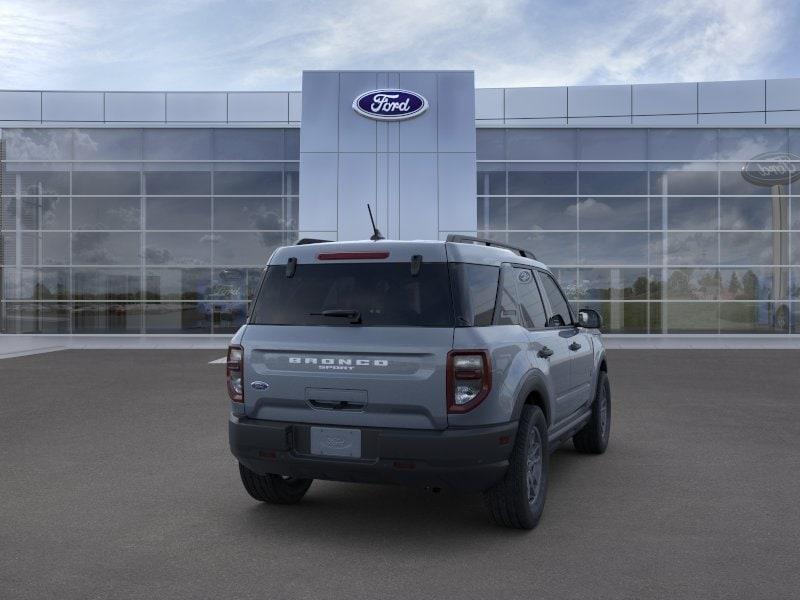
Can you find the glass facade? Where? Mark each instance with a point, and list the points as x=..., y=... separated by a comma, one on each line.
x=657, y=229
x=166, y=230
x=141, y=230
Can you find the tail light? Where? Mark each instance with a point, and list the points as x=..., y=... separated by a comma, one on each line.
x=469, y=379
x=235, y=373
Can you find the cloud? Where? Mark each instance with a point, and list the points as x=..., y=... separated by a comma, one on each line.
x=672, y=40
x=591, y=208
x=33, y=37
x=209, y=44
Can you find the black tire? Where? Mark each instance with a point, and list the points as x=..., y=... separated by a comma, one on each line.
x=593, y=438
x=274, y=489
x=512, y=502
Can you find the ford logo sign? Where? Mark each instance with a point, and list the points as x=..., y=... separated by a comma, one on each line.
x=772, y=168
x=390, y=105
x=259, y=385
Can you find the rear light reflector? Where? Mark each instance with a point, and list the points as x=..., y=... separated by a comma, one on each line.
x=352, y=255
x=469, y=379
x=235, y=373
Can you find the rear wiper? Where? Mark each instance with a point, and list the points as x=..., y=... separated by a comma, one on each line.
x=344, y=313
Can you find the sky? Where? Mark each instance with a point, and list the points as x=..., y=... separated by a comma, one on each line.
x=263, y=45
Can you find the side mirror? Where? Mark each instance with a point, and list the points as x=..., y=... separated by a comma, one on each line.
x=589, y=318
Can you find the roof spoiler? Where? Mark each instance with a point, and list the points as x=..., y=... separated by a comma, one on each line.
x=466, y=239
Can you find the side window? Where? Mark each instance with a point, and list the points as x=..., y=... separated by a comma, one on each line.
x=474, y=292
x=560, y=308
x=530, y=301
x=506, y=312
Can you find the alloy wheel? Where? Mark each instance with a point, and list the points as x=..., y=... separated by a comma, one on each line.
x=534, y=464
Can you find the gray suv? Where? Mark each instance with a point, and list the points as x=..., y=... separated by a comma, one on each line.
x=453, y=364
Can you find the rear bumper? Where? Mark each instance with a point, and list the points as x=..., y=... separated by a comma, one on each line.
x=460, y=459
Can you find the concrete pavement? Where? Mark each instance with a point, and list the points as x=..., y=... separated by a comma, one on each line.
x=117, y=483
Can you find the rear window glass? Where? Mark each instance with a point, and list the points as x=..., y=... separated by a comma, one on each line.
x=384, y=294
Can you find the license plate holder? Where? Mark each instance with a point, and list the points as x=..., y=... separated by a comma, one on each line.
x=334, y=441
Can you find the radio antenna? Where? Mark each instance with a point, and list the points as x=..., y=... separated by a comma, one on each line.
x=376, y=235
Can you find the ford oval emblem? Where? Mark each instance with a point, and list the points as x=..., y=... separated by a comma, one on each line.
x=259, y=385
x=772, y=168
x=390, y=105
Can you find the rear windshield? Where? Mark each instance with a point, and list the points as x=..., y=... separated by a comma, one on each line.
x=383, y=294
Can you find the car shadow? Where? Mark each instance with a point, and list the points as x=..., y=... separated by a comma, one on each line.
x=361, y=514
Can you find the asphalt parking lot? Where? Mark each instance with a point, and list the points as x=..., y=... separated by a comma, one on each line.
x=116, y=482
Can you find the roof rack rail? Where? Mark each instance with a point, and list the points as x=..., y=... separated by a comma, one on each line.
x=305, y=241
x=466, y=239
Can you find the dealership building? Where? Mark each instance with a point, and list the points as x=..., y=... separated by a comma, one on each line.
x=669, y=208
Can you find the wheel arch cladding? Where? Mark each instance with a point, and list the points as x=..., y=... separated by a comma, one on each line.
x=534, y=392
x=602, y=367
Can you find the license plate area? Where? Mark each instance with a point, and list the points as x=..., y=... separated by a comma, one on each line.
x=334, y=441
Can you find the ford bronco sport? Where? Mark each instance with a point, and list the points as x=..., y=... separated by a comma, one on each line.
x=446, y=364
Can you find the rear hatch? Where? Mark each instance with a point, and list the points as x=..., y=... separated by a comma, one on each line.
x=351, y=334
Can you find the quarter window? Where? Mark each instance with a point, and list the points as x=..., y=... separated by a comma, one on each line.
x=474, y=292
x=507, y=313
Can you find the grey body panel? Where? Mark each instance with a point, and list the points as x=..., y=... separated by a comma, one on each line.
x=582, y=365
x=389, y=376
x=507, y=345
x=556, y=368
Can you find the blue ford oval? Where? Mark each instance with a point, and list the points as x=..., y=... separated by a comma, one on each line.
x=390, y=105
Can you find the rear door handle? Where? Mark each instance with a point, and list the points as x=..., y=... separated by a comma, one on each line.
x=545, y=352
x=574, y=346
